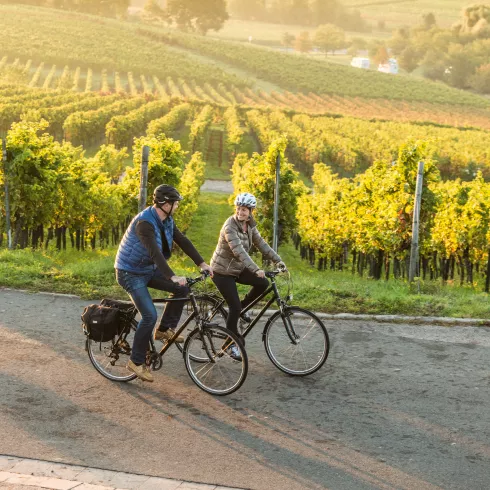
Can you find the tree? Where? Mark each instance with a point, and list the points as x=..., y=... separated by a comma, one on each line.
x=287, y=39
x=381, y=56
x=429, y=20
x=434, y=65
x=198, y=15
x=399, y=41
x=303, y=42
x=472, y=19
x=480, y=81
x=357, y=44
x=460, y=66
x=329, y=38
x=408, y=59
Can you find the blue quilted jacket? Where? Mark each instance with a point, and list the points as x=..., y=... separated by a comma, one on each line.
x=132, y=256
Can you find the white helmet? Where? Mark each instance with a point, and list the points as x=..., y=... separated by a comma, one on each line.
x=246, y=199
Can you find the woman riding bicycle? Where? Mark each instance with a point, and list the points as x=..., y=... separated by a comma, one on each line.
x=232, y=264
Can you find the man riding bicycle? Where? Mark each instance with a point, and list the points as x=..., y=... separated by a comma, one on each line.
x=141, y=262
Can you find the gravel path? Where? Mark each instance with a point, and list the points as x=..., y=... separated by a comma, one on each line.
x=224, y=186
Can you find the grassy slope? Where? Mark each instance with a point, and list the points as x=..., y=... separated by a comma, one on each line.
x=60, y=38
x=81, y=40
x=91, y=275
x=297, y=73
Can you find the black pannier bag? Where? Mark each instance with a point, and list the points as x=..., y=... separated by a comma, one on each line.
x=103, y=322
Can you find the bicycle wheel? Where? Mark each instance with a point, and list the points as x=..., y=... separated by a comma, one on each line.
x=210, y=311
x=110, y=358
x=223, y=372
x=297, y=342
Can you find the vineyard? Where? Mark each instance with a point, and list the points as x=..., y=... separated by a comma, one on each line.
x=76, y=118
x=342, y=142
x=53, y=80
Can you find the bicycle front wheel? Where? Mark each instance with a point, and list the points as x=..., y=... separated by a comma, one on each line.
x=226, y=365
x=296, y=341
x=110, y=358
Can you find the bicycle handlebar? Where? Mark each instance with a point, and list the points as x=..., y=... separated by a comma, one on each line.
x=194, y=280
x=272, y=274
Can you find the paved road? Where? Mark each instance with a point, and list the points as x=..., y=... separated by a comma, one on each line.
x=396, y=406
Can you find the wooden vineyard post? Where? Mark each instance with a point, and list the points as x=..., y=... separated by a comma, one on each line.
x=414, y=251
x=275, y=232
x=7, y=199
x=143, y=178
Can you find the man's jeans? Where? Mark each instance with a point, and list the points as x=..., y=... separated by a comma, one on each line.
x=136, y=285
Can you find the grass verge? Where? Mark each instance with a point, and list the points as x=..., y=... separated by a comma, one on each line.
x=90, y=274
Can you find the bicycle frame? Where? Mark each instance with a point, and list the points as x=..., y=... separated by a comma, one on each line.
x=276, y=297
x=191, y=317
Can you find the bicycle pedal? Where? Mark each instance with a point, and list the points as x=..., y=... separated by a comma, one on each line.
x=211, y=324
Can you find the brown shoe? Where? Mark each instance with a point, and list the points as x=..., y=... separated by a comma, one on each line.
x=142, y=371
x=166, y=335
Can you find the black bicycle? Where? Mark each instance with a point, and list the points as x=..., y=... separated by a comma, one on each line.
x=295, y=339
x=207, y=352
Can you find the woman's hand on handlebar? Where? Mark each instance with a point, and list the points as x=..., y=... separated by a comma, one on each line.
x=281, y=266
x=206, y=268
x=260, y=273
x=181, y=281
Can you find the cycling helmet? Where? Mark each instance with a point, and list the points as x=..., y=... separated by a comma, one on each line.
x=246, y=199
x=166, y=193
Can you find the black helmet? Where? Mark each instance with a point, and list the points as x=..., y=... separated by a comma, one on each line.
x=166, y=193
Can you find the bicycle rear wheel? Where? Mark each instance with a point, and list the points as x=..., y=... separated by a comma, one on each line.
x=223, y=372
x=110, y=358
x=296, y=341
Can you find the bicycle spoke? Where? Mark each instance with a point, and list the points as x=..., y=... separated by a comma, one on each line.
x=220, y=375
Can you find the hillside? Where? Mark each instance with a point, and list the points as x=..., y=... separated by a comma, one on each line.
x=72, y=39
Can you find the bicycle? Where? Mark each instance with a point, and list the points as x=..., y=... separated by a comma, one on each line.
x=295, y=339
x=205, y=350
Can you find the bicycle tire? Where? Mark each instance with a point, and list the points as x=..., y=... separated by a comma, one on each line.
x=222, y=374
x=102, y=355
x=312, y=338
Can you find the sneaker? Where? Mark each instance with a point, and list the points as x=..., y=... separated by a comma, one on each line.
x=143, y=372
x=234, y=352
x=246, y=317
x=166, y=335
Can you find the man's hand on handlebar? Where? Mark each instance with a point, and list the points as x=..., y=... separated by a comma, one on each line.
x=260, y=273
x=181, y=281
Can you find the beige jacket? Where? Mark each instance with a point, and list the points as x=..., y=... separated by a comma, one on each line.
x=231, y=255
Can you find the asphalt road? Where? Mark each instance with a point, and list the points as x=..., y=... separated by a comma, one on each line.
x=395, y=406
